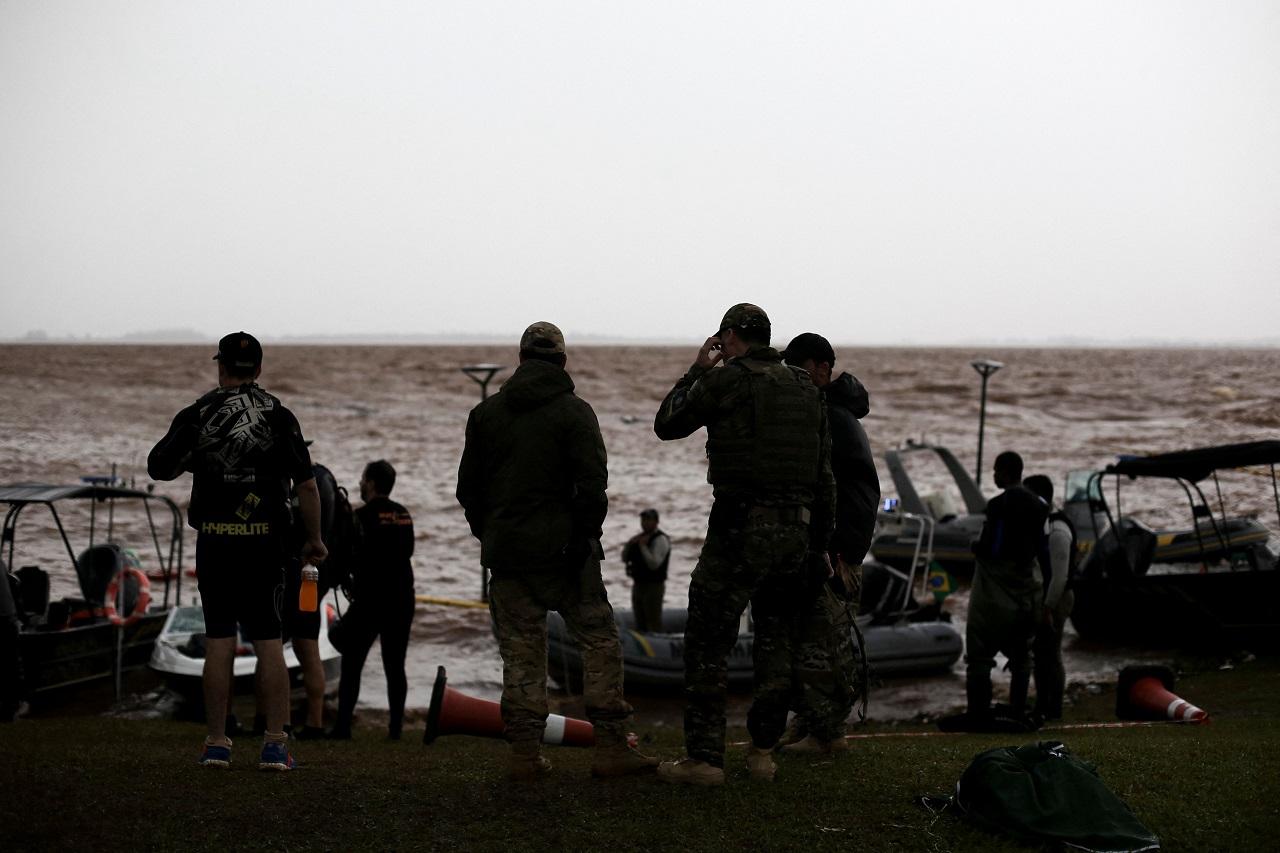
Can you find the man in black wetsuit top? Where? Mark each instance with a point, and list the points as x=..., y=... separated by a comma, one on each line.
x=382, y=603
x=243, y=447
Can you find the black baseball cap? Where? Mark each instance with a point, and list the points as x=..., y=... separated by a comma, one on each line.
x=240, y=350
x=649, y=513
x=809, y=345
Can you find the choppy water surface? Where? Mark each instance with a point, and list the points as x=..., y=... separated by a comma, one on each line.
x=74, y=410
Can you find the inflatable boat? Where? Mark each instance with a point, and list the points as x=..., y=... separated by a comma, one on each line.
x=899, y=641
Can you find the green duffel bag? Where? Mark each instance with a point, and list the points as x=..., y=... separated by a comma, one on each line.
x=1040, y=793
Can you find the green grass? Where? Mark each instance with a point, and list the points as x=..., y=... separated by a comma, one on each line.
x=109, y=784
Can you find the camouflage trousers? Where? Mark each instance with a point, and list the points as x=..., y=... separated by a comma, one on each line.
x=762, y=563
x=826, y=661
x=518, y=603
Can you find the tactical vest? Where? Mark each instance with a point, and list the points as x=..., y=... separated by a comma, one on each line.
x=769, y=440
x=639, y=570
x=1073, y=559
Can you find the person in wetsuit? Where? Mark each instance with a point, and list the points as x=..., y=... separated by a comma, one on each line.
x=243, y=447
x=382, y=598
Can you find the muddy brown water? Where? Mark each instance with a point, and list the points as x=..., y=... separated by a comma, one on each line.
x=74, y=410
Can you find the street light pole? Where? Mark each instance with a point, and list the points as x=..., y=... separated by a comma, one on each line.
x=985, y=368
x=482, y=374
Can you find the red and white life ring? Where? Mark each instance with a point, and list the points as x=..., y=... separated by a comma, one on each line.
x=113, y=592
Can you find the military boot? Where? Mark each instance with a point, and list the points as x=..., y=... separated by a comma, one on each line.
x=688, y=771
x=795, y=732
x=760, y=763
x=811, y=745
x=527, y=762
x=621, y=759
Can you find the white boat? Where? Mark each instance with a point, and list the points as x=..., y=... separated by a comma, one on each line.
x=178, y=656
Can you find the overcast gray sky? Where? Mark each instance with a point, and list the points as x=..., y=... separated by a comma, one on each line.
x=888, y=172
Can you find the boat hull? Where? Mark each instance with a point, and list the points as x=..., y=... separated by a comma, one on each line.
x=81, y=655
x=655, y=662
x=1217, y=610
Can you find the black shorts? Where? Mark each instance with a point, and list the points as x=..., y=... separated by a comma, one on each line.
x=241, y=581
x=298, y=624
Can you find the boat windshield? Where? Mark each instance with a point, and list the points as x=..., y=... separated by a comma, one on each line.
x=1080, y=488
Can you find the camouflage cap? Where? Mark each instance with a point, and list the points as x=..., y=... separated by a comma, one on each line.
x=744, y=315
x=542, y=337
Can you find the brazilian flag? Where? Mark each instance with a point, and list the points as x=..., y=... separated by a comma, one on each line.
x=940, y=582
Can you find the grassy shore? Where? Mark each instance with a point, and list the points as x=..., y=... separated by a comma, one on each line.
x=103, y=783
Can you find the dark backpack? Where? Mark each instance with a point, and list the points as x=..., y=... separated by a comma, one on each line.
x=341, y=542
x=337, y=528
x=1042, y=794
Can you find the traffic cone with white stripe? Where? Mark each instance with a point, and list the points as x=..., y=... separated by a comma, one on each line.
x=455, y=713
x=1146, y=693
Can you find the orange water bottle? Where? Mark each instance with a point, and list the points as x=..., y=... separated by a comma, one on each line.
x=308, y=600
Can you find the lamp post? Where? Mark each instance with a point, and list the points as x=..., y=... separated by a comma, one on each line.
x=985, y=368
x=482, y=373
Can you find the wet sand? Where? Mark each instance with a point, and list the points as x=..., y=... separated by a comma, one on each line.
x=75, y=410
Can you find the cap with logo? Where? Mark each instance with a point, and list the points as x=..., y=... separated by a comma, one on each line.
x=240, y=350
x=809, y=345
x=542, y=337
x=744, y=315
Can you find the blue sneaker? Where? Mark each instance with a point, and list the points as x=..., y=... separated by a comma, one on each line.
x=275, y=756
x=216, y=756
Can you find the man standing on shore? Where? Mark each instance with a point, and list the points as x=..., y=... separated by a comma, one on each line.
x=825, y=653
x=647, y=555
x=242, y=447
x=1057, y=561
x=532, y=483
x=382, y=605
x=1005, y=598
x=769, y=457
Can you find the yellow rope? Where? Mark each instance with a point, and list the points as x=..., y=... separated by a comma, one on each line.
x=450, y=602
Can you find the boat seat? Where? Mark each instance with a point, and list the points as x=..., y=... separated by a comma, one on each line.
x=96, y=567
x=33, y=593
x=1128, y=551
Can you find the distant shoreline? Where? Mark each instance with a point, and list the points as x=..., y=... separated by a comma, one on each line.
x=602, y=341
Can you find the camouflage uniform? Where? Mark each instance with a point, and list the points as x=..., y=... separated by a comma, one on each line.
x=532, y=484
x=519, y=603
x=827, y=662
x=769, y=463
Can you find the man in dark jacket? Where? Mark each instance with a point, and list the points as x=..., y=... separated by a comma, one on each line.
x=825, y=657
x=769, y=464
x=532, y=484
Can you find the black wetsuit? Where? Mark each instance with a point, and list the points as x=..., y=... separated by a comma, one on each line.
x=382, y=607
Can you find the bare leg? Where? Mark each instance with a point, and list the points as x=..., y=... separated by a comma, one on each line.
x=308, y=652
x=219, y=654
x=275, y=683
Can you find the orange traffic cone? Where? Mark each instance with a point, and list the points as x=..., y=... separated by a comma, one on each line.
x=454, y=713
x=1146, y=693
